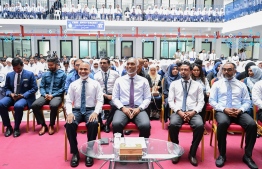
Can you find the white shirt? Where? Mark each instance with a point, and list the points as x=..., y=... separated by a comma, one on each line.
x=94, y=95
x=121, y=91
x=32, y=68
x=7, y=69
x=235, y=58
x=112, y=76
x=202, y=56
x=257, y=94
x=212, y=56
x=192, y=54
x=195, y=99
x=15, y=80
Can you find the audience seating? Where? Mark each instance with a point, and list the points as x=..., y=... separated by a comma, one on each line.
x=47, y=107
x=233, y=127
x=187, y=128
x=259, y=123
x=12, y=109
x=81, y=128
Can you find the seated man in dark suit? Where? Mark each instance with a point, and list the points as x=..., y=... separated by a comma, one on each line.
x=20, y=89
x=131, y=95
x=86, y=95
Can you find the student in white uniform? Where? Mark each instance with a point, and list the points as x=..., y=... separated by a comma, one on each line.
x=33, y=10
x=85, y=12
x=78, y=12
x=193, y=15
x=72, y=12
x=192, y=55
x=138, y=13
x=212, y=55
x=210, y=14
x=93, y=13
x=203, y=55
x=38, y=11
x=221, y=15
x=180, y=15
x=205, y=14
x=118, y=13
x=198, y=15
x=103, y=12
x=132, y=14
x=186, y=15
x=26, y=9
x=110, y=13
x=65, y=11
x=162, y=14
x=155, y=13
x=169, y=15
x=149, y=14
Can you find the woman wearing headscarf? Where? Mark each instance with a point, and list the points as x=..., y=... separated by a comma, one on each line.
x=95, y=67
x=163, y=67
x=171, y=75
x=155, y=86
x=254, y=75
x=213, y=73
x=244, y=74
x=72, y=63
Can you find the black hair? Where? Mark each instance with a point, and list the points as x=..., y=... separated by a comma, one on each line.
x=187, y=64
x=53, y=59
x=66, y=62
x=234, y=65
x=198, y=61
x=107, y=60
x=77, y=60
x=26, y=59
x=147, y=59
x=201, y=75
x=17, y=61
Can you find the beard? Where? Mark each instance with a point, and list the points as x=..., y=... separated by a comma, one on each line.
x=129, y=73
x=83, y=77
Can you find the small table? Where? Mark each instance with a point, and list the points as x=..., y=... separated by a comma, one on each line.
x=156, y=150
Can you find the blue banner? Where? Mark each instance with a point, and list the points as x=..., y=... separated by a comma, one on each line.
x=85, y=25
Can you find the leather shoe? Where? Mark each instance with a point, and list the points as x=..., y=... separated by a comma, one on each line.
x=249, y=162
x=175, y=160
x=192, y=160
x=75, y=160
x=128, y=132
x=107, y=128
x=9, y=131
x=16, y=133
x=89, y=161
x=220, y=161
x=51, y=130
x=43, y=130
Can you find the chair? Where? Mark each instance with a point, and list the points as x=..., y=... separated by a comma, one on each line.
x=57, y=14
x=258, y=122
x=163, y=104
x=47, y=107
x=81, y=128
x=209, y=109
x=12, y=109
x=187, y=128
x=233, y=127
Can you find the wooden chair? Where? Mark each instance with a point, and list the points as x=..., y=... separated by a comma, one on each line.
x=81, y=128
x=209, y=111
x=233, y=127
x=258, y=122
x=187, y=128
x=47, y=107
x=12, y=109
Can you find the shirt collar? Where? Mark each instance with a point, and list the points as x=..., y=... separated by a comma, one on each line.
x=19, y=73
x=232, y=80
x=132, y=77
x=184, y=80
x=106, y=71
x=81, y=80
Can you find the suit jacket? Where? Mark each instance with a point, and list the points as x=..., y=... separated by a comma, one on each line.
x=28, y=85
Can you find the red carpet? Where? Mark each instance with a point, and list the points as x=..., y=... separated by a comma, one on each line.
x=30, y=151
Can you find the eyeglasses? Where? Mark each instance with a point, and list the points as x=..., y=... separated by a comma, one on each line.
x=227, y=70
x=77, y=65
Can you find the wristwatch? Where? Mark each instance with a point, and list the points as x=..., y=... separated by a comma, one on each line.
x=141, y=109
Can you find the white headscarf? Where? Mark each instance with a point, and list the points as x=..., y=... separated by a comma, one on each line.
x=95, y=70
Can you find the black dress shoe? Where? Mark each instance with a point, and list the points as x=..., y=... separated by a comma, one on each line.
x=75, y=160
x=16, y=133
x=249, y=162
x=9, y=131
x=175, y=160
x=89, y=161
x=220, y=161
x=107, y=128
x=192, y=160
x=128, y=132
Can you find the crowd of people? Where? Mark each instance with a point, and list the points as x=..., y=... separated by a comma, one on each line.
x=134, y=89
x=136, y=13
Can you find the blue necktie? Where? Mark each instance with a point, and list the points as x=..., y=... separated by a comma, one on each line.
x=131, y=96
x=184, y=96
x=52, y=83
x=83, y=98
x=229, y=95
x=106, y=79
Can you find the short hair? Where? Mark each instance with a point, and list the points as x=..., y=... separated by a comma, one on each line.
x=198, y=61
x=187, y=64
x=231, y=63
x=77, y=60
x=107, y=60
x=26, y=59
x=53, y=59
x=146, y=59
x=136, y=60
x=66, y=62
x=17, y=61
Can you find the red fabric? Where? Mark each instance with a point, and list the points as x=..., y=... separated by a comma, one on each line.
x=106, y=107
x=234, y=126
x=131, y=126
x=12, y=108
x=259, y=122
x=186, y=126
x=82, y=126
x=209, y=107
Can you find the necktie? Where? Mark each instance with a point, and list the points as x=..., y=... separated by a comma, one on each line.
x=52, y=83
x=131, y=96
x=83, y=98
x=106, y=79
x=184, y=96
x=18, y=84
x=229, y=95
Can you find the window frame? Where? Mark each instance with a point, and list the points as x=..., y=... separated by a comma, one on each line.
x=132, y=53
x=61, y=54
x=153, y=57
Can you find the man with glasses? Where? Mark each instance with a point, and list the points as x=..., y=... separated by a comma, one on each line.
x=232, y=105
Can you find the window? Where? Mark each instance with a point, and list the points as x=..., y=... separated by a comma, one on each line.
x=26, y=45
x=1, y=48
x=8, y=48
x=256, y=50
x=43, y=47
x=225, y=49
x=126, y=49
x=207, y=46
x=169, y=48
x=66, y=48
x=127, y=4
x=148, y=49
x=17, y=47
x=91, y=3
x=96, y=48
